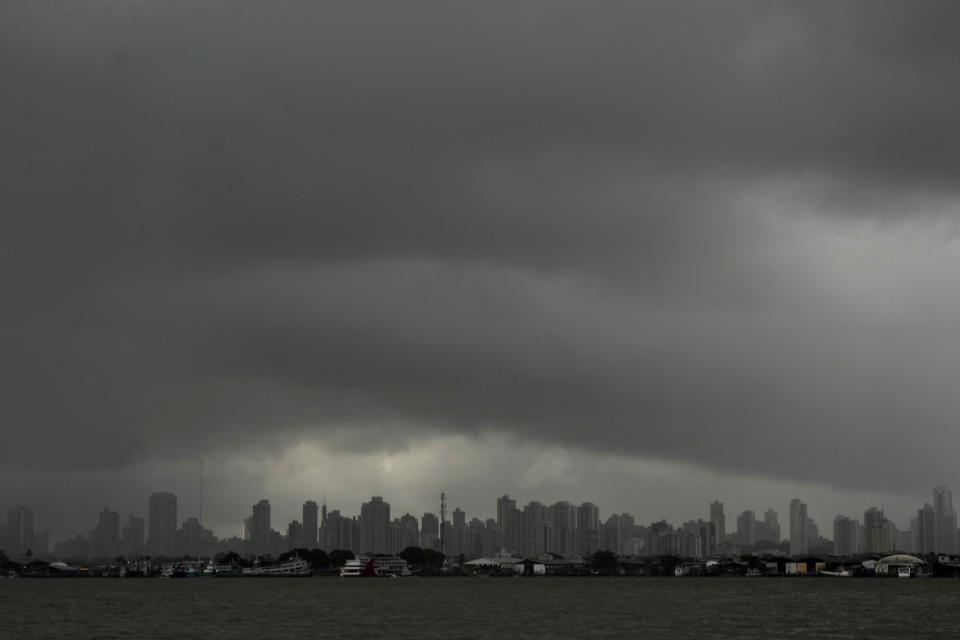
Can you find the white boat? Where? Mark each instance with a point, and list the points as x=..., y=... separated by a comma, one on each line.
x=294, y=567
x=382, y=566
x=903, y=572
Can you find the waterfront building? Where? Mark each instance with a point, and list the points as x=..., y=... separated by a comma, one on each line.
x=162, y=510
x=798, y=527
x=718, y=519
x=310, y=528
x=374, y=522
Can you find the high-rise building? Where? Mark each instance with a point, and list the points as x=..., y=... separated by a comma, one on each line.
x=846, y=536
x=374, y=522
x=458, y=533
x=295, y=535
x=162, y=510
x=535, y=538
x=771, y=526
x=310, y=528
x=946, y=520
x=588, y=528
x=411, y=531
x=105, y=537
x=707, y=538
x=132, y=537
x=193, y=540
x=928, y=529
x=747, y=528
x=942, y=499
x=19, y=531
x=877, y=532
x=430, y=531
x=564, y=517
x=509, y=524
x=259, y=531
x=798, y=527
x=718, y=519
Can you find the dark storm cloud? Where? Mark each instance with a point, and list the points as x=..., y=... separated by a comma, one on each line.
x=662, y=228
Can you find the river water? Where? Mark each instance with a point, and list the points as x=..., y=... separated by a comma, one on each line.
x=499, y=608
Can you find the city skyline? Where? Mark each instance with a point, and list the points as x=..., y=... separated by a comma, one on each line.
x=644, y=255
x=531, y=529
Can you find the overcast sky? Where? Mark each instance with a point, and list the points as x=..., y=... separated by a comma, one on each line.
x=648, y=254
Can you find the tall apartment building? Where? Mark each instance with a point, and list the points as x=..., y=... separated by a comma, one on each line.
x=718, y=519
x=747, y=528
x=798, y=527
x=374, y=522
x=588, y=528
x=846, y=536
x=162, y=524
x=310, y=527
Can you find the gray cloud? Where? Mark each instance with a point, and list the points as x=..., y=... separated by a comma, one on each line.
x=715, y=233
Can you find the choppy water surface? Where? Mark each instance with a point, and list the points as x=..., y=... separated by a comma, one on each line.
x=479, y=608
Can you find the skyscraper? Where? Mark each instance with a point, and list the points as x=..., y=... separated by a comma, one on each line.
x=798, y=527
x=942, y=499
x=927, y=534
x=105, y=537
x=946, y=520
x=374, y=522
x=508, y=522
x=162, y=526
x=259, y=529
x=846, y=536
x=877, y=531
x=747, y=528
x=564, y=516
x=310, y=530
x=719, y=520
x=588, y=528
x=771, y=526
x=131, y=538
x=430, y=531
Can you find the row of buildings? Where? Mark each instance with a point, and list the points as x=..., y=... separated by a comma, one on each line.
x=532, y=530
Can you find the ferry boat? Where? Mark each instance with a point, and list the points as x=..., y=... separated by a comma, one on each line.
x=384, y=566
x=294, y=567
